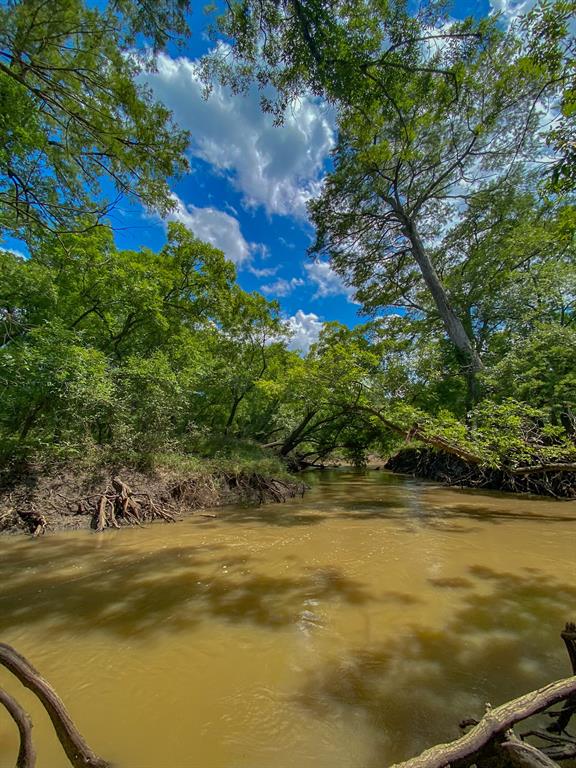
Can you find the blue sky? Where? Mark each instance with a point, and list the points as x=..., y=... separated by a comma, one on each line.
x=249, y=182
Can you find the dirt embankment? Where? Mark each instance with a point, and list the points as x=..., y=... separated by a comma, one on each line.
x=443, y=467
x=35, y=502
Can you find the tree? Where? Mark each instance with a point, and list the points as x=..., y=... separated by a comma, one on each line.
x=427, y=109
x=240, y=346
x=76, y=129
x=403, y=172
x=88, y=329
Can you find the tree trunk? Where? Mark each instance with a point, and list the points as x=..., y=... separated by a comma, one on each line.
x=453, y=324
x=232, y=415
x=293, y=438
x=494, y=723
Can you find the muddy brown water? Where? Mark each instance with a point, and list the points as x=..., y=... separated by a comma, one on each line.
x=346, y=630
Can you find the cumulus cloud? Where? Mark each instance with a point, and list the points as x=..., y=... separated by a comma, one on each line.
x=326, y=280
x=282, y=287
x=305, y=329
x=278, y=167
x=511, y=9
x=264, y=271
x=215, y=227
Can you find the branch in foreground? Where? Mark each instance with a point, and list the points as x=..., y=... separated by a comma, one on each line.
x=77, y=750
x=495, y=722
x=26, y=754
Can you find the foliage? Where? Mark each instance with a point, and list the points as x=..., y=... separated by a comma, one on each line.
x=432, y=206
x=552, y=48
x=76, y=129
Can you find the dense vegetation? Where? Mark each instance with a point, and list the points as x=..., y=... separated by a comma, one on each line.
x=449, y=199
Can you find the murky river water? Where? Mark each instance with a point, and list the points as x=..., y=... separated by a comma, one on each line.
x=347, y=630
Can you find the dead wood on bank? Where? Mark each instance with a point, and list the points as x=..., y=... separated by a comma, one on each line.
x=492, y=743
x=451, y=463
x=447, y=468
x=110, y=500
x=77, y=750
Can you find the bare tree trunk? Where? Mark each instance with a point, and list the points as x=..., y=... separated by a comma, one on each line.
x=232, y=415
x=453, y=324
x=494, y=723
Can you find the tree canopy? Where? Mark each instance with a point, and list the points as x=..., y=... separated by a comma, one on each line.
x=448, y=199
x=77, y=130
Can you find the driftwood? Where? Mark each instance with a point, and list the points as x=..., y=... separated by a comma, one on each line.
x=26, y=754
x=493, y=735
x=523, y=755
x=77, y=750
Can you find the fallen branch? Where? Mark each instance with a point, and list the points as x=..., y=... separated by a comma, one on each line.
x=494, y=723
x=523, y=755
x=537, y=468
x=26, y=754
x=77, y=750
x=416, y=432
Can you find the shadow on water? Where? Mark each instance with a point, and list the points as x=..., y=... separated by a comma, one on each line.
x=413, y=691
x=75, y=588
x=439, y=516
x=286, y=515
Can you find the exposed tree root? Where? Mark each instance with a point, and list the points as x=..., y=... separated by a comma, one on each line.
x=491, y=742
x=106, y=499
x=77, y=750
x=117, y=506
x=254, y=486
x=245, y=486
x=453, y=470
x=34, y=520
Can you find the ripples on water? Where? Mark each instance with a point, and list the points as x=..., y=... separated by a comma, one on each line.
x=349, y=629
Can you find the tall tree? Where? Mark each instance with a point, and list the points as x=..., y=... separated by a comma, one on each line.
x=427, y=109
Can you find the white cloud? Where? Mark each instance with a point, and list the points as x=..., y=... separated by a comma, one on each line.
x=264, y=271
x=215, y=227
x=278, y=167
x=326, y=280
x=305, y=329
x=512, y=9
x=282, y=287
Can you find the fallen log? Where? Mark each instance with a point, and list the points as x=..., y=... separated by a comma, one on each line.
x=494, y=734
x=523, y=755
x=77, y=750
x=494, y=723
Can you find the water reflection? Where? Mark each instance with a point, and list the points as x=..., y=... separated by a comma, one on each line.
x=348, y=629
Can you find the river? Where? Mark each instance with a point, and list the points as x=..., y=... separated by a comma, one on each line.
x=349, y=629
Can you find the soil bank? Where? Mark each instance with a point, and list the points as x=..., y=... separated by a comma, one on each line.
x=35, y=501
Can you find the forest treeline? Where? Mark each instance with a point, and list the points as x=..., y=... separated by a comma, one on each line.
x=449, y=200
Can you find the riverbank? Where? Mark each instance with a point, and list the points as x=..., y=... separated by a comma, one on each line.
x=39, y=499
x=432, y=464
